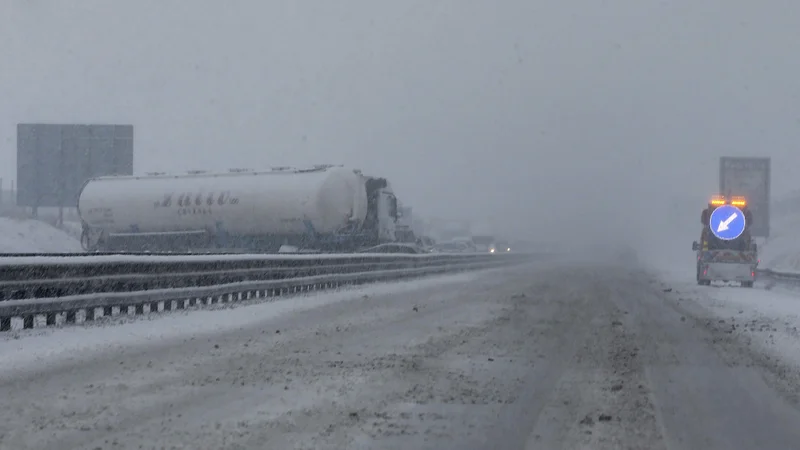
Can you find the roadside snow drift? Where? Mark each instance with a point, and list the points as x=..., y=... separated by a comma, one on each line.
x=782, y=251
x=31, y=236
x=766, y=319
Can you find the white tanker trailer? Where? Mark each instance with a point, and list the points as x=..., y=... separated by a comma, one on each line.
x=326, y=208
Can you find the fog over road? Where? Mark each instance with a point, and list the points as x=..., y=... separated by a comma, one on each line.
x=536, y=357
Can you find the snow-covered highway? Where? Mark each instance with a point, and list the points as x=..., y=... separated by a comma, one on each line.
x=537, y=357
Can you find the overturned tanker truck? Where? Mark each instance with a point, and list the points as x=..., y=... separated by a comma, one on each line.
x=325, y=208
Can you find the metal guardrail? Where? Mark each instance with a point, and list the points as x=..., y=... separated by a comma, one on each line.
x=90, y=254
x=58, y=280
x=36, y=277
x=69, y=291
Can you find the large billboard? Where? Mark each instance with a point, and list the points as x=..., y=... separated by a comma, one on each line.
x=54, y=161
x=748, y=177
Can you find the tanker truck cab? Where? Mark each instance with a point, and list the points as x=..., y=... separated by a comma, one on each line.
x=381, y=220
x=387, y=215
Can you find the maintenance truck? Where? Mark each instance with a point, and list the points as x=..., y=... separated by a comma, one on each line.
x=726, y=252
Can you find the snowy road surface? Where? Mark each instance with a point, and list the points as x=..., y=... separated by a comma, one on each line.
x=572, y=357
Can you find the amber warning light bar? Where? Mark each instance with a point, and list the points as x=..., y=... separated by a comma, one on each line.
x=719, y=200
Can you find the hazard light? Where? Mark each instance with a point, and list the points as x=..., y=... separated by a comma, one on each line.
x=739, y=201
x=717, y=200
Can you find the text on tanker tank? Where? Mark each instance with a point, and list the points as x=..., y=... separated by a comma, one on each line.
x=199, y=199
x=197, y=203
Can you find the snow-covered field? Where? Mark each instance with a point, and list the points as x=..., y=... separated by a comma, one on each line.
x=32, y=236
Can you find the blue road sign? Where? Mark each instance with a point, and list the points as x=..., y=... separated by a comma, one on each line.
x=727, y=222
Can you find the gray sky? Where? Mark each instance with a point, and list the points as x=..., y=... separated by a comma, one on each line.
x=526, y=114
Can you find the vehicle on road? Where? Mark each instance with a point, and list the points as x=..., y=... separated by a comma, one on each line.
x=323, y=208
x=484, y=243
x=456, y=246
x=501, y=247
x=726, y=251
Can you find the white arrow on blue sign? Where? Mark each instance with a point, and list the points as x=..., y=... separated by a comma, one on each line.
x=727, y=222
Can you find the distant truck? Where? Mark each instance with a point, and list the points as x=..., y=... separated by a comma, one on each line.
x=502, y=246
x=491, y=244
x=484, y=243
x=459, y=245
x=726, y=259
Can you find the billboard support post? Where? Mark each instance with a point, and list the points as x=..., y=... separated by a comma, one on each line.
x=60, y=191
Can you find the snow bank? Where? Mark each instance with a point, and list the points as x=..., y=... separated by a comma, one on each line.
x=26, y=235
x=769, y=319
x=781, y=252
x=73, y=229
